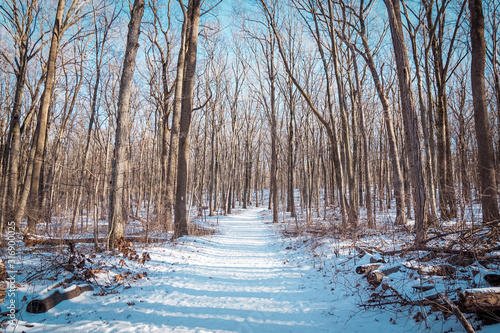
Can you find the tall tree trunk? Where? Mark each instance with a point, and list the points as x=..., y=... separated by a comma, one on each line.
x=180, y=213
x=409, y=118
x=486, y=155
x=117, y=220
x=212, y=168
x=494, y=33
x=42, y=120
x=346, y=154
x=174, y=134
x=14, y=139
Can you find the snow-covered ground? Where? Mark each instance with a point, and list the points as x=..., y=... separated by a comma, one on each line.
x=245, y=278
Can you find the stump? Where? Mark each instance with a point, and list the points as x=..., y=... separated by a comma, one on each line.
x=47, y=303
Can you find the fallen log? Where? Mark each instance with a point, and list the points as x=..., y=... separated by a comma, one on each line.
x=483, y=300
x=375, y=278
x=365, y=269
x=473, y=254
x=427, y=257
x=3, y=271
x=6, y=313
x=442, y=270
x=47, y=303
x=3, y=291
x=423, y=288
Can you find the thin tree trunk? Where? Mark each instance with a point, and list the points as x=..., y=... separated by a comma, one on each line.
x=429, y=168
x=366, y=153
x=274, y=154
x=290, y=207
x=13, y=145
x=346, y=154
x=391, y=137
x=447, y=200
x=409, y=118
x=86, y=153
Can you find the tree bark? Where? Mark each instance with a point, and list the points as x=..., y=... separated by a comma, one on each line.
x=180, y=213
x=429, y=168
x=117, y=218
x=486, y=155
x=174, y=133
x=346, y=154
x=447, y=200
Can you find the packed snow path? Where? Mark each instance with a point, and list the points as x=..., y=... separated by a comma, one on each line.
x=235, y=281
x=240, y=282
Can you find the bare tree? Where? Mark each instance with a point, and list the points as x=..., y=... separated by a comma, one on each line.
x=424, y=113
x=100, y=41
x=21, y=20
x=192, y=21
x=486, y=155
x=367, y=54
x=161, y=33
x=492, y=11
x=328, y=124
x=436, y=29
x=62, y=22
x=366, y=165
x=409, y=117
x=117, y=218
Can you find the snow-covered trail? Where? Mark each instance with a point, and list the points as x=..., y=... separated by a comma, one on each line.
x=239, y=281
x=235, y=281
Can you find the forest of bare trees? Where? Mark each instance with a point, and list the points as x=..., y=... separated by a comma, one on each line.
x=357, y=112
